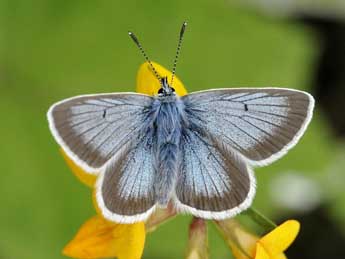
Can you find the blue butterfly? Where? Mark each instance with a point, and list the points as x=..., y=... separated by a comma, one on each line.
x=196, y=151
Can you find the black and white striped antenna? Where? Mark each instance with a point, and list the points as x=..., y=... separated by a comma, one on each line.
x=183, y=28
x=178, y=50
x=136, y=41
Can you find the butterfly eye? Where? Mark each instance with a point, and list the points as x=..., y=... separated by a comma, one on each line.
x=160, y=91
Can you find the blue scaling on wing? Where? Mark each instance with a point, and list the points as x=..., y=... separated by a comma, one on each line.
x=214, y=182
x=126, y=190
x=260, y=123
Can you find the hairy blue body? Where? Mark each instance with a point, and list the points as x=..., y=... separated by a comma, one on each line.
x=167, y=120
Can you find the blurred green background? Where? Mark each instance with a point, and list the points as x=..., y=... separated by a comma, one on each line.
x=54, y=49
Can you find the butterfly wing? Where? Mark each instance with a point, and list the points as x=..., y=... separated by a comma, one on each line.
x=214, y=181
x=91, y=129
x=262, y=124
x=125, y=190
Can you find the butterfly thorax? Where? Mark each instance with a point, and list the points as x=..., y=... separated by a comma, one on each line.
x=169, y=111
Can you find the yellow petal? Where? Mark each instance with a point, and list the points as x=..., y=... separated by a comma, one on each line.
x=278, y=240
x=261, y=253
x=198, y=242
x=83, y=176
x=99, y=238
x=147, y=83
x=280, y=256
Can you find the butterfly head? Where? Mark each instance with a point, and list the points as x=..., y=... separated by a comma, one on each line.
x=166, y=89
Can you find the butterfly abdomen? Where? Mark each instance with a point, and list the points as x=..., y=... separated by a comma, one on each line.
x=168, y=123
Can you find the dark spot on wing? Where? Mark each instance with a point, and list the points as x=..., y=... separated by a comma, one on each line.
x=246, y=107
x=104, y=113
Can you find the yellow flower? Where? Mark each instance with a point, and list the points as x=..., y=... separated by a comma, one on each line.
x=246, y=245
x=98, y=237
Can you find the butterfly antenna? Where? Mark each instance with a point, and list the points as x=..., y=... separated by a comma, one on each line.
x=183, y=28
x=136, y=41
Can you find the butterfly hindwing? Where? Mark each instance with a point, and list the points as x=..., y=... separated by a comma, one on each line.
x=214, y=182
x=91, y=129
x=125, y=190
x=260, y=123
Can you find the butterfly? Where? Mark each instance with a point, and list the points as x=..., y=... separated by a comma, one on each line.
x=196, y=151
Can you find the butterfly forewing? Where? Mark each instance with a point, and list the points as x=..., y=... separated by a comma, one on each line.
x=92, y=129
x=214, y=182
x=261, y=124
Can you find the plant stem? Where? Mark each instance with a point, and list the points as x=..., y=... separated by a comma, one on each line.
x=260, y=219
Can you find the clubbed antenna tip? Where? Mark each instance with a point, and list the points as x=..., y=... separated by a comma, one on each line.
x=134, y=38
x=183, y=28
